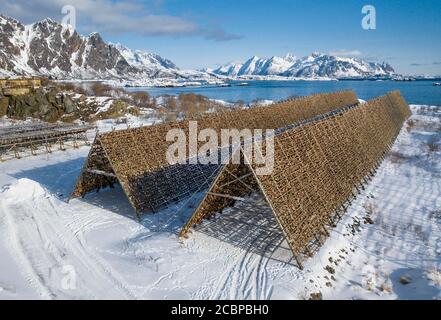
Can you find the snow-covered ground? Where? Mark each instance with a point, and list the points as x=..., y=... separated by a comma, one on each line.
x=96, y=248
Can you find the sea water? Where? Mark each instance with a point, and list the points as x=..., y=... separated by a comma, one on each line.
x=415, y=92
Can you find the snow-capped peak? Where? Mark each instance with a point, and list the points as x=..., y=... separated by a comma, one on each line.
x=144, y=60
x=290, y=57
x=5, y=19
x=316, y=65
x=49, y=48
x=94, y=35
x=231, y=69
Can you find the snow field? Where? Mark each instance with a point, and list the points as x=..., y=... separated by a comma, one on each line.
x=95, y=248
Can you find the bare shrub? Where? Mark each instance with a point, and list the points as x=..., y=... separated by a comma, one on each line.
x=169, y=103
x=192, y=104
x=142, y=99
x=100, y=89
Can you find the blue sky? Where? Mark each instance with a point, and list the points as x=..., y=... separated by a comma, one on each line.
x=198, y=33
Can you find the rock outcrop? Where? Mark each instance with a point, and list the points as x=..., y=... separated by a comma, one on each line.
x=51, y=105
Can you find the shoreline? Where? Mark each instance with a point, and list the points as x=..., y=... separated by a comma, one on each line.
x=230, y=82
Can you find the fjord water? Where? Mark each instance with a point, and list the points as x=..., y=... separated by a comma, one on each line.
x=415, y=92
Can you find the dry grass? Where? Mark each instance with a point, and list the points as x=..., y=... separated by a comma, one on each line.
x=386, y=286
x=410, y=125
x=371, y=211
x=433, y=145
x=189, y=104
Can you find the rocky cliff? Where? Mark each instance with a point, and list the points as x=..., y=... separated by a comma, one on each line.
x=47, y=48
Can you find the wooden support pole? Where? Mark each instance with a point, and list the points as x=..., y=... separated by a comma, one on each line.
x=225, y=196
x=16, y=153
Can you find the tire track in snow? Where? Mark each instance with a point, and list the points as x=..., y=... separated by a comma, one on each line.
x=92, y=259
x=245, y=277
x=43, y=244
x=19, y=250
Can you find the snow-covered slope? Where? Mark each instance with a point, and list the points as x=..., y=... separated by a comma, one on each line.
x=51, y=49
x=148, y=62
x=322, y=65
x=231, y=70
x=94, y=248
x=277, y=65
x=257, y=66
x=314, y=66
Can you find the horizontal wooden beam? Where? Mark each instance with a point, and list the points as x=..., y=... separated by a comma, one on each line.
x=225, y=196
x=101, y=173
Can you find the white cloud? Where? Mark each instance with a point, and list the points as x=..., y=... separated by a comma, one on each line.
x=124, y=16
x=346, y=53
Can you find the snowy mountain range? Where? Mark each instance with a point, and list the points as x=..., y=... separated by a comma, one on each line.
x=48, y=48
x=311, y=67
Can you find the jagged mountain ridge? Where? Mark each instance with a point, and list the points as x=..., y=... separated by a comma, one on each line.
x=314, y=66
x=51, y=49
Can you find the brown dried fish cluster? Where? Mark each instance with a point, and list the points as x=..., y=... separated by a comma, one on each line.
x=137, y=157
x=319, y=167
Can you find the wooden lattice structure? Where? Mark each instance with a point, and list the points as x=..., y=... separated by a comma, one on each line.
x=136, y=158
x=320, y=165
x=20, y=140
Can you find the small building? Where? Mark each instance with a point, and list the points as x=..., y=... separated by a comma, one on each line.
x=18, y=86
